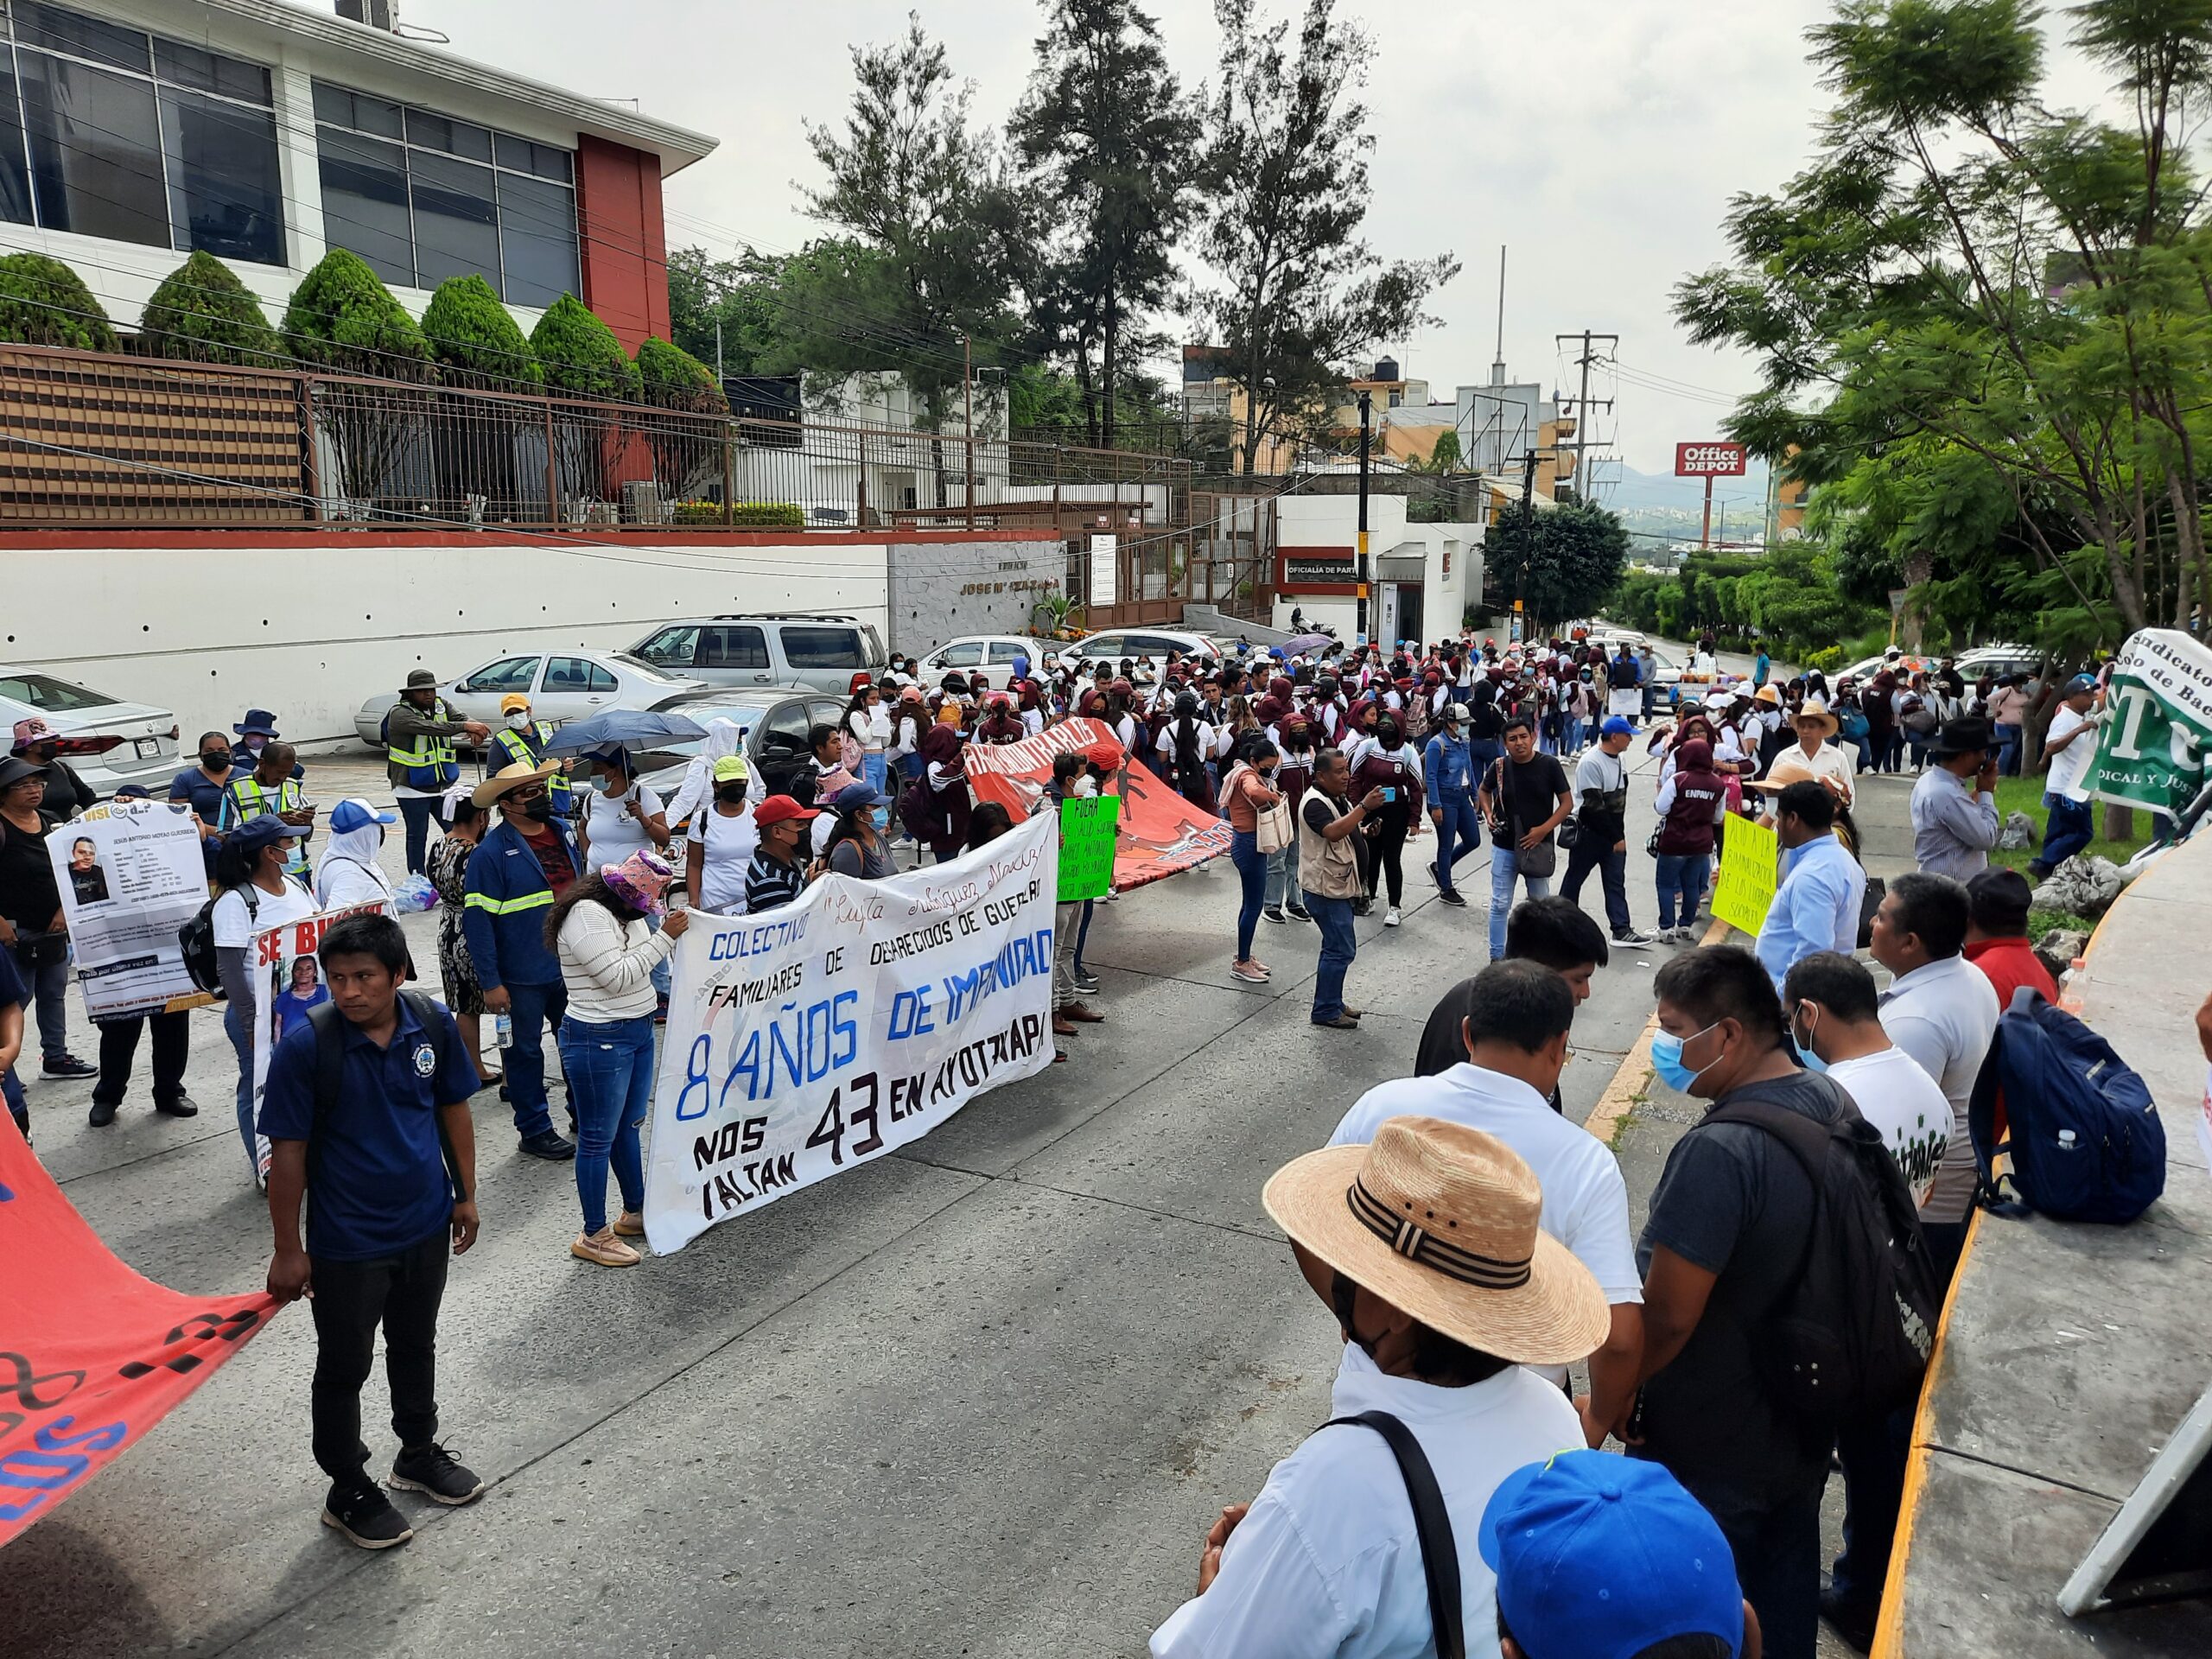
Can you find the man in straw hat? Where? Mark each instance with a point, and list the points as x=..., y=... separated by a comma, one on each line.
x=1444, y=1286
x=512, y=878
x=1816, y=755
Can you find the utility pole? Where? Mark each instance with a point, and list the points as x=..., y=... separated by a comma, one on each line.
x=1359, y=568
x=1582, y=406
x=1527, y=539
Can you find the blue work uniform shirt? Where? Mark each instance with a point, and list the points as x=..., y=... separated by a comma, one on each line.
x=377, y=1182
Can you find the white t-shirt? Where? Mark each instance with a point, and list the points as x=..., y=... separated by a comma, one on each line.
x=1586, y=1200
x=1902, y=1101
x=1943, y=1015
x=235, y=931
x=345, y=883
x=614, y=835
x=1327, y=1563
x=730, y=844
x=2069, y=768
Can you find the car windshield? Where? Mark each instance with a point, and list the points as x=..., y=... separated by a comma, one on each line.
x=43, y=691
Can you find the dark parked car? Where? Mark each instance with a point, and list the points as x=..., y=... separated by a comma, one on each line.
x=776, y=721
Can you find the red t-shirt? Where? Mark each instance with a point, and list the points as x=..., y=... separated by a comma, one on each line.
x=2008, y=964
x=552, y=855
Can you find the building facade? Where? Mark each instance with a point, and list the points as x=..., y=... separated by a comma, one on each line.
x=133, y=133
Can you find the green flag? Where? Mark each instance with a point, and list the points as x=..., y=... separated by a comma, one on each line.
x=2150, y=750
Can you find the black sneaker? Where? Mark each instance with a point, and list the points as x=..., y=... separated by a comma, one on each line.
x=102, y=1115
x=550, y=1145
x=1452, y=897
x=1087, y=983
x=67, y=1066
x=181, y=1107
x=1273, y=913
x=1298, y=913
x=1852, y=1620
x=366, y=1517
x=436, y=1473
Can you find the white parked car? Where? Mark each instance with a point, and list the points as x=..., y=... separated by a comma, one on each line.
x=145, y=751
x=1112, y=645
x=562, y=684
x=991, y=654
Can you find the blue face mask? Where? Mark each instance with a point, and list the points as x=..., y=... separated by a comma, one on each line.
x=1806, y=1058
x=1667, y=1060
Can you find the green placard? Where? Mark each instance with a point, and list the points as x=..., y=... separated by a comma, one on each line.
x=1087, y=834
x=2157, y=723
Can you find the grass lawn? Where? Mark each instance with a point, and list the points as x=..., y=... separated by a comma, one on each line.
x=2025, y=795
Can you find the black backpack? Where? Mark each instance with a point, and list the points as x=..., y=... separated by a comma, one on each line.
x=197, y=940
x=1850, y=1337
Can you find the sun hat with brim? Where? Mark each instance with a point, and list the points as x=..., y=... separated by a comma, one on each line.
x=782, y=809
x=1768, y=695
x=510, y=779
x=258, y=723
x=1782, y=773
x=1963, y=736
x=420, y=679
x=33, y=729
x=1815, y=709
x=1442, y=1221
x=15, y=769
x=640, y=880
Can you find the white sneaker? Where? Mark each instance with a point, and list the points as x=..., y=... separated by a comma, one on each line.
x=1390, y=917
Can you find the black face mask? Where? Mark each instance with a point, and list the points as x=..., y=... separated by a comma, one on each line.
x=731, y=793
x=215, y=760
x=539, y=810
x=1342, y=1296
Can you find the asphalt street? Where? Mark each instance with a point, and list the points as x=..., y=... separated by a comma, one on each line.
x=980, y=1396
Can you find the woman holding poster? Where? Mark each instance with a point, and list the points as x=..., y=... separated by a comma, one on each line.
x=255, y=894
x=599, y=928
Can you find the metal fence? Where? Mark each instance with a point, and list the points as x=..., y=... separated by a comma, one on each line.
x=92, y=440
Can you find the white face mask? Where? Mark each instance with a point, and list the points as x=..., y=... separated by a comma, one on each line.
x=1086, y=786
x=519, y=722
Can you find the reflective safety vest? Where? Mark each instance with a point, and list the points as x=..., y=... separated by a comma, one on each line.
x=430, y=761
x=247, y=796
x=527, y=748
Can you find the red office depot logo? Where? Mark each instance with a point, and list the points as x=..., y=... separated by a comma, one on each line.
x=1709, y=461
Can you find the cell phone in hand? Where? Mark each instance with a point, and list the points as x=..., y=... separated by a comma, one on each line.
x=1389, y=793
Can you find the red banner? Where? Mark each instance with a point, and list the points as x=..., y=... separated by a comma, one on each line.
x=1161, y=832
x=91, y=1356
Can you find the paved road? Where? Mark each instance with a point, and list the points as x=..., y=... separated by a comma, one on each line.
x=981, y=1397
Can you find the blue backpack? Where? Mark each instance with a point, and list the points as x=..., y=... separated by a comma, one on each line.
x=2085, y=1139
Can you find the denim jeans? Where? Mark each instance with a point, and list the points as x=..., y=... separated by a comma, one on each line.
x=1596, y=853
x=534, y=1008
x=11, y=1090
x=1338, y=947
x=875, y=769
x=1282, y=874
x=2008, y=748
x=351, y=1298
x=1682, y=873
x=417, y=813
x=49, y=988
x=1504, y=865
x=235, y=1027
x=611, y=1083
x=1083, y=934
x=1065, y=925
x=1252, y=872
x=2071, y=828
x=1458, y=829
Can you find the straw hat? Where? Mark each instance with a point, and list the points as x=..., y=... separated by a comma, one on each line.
x=509, y=779
x=1815, y=709
x=1440, y=1221
x=1768, y=695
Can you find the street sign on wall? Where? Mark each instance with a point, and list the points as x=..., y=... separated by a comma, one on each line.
x=1714, y=460
x=1105, y=561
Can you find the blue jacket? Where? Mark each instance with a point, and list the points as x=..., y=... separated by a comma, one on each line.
x=1447, y=769
x=505, y=918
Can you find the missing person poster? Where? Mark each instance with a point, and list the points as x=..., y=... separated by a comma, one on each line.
x=287, y=983
x=131, y=875
x=814, y=1037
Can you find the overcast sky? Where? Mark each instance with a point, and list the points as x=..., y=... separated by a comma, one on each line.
x=1599, y=140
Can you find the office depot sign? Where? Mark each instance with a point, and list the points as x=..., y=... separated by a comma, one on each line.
x=1708, y=461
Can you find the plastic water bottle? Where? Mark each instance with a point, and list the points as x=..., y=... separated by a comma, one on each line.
x=503, y=1030
x=2066, y=1140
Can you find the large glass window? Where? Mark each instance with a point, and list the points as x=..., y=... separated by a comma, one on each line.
x=468, y=199
x=136, y=138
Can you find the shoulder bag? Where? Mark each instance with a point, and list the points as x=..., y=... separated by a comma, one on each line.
x=1439, y=1550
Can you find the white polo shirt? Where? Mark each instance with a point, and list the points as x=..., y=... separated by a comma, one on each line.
x=1327, y=1564
x=1902, y=1101
x=1586, y=1200
x=1943, y=1014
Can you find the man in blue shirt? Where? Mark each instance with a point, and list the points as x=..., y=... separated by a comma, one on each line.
x=1816, y=904
x=374, y=1160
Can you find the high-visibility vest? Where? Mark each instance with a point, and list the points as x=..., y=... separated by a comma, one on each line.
x=430, y=761
x=527, y=748
x=247, y=797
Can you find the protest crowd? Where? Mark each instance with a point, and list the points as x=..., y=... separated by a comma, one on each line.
x=1502, y=1320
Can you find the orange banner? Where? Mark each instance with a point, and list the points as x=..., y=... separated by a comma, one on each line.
x=1160, y=833
x=91, y=1356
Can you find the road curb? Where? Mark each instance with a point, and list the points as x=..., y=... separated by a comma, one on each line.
x=1617, y=1104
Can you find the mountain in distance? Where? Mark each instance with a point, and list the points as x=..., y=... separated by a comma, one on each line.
x=1658, y=509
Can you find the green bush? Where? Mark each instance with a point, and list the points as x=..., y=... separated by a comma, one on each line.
x=43, y=302
x=203, y=314
x=476, y=343
x=1826, y=659
x=581, y=356
x=670, y=377
x=343, y=319
x=754, y=514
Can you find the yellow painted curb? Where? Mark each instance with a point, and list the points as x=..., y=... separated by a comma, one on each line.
x=1634, y=1070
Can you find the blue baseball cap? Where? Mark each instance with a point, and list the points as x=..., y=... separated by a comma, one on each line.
x=2078, y=684
x=853, y=797
x=1601, y=1557
x=265, y=829
x=351, y=814
x=1616, y=726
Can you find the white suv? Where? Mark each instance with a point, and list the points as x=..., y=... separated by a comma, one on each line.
x=1112, y=645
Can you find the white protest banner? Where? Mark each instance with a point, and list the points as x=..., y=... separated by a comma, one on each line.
x=287, y=983
x=810, y=1039
x=131, y=875
x=2157, y=723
